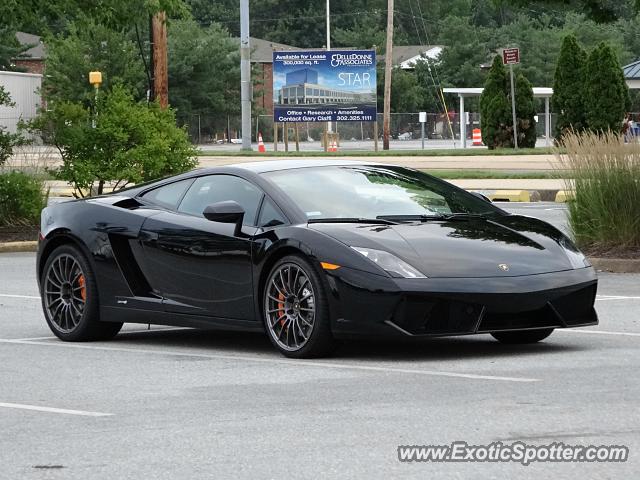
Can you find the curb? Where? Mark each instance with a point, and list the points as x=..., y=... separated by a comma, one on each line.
x=616, y=265
x=12, y=247
x=510, y=196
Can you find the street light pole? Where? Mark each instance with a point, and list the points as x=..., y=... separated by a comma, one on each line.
x=329, y=127
x=388, y=64
x=245, y=74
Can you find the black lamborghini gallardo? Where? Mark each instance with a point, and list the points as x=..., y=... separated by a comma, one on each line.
x=308, y=251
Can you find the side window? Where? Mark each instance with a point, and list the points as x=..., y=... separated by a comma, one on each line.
x=270, y=216
x=168, y=196
x=218, y=188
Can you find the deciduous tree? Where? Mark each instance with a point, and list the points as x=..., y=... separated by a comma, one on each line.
x=131, y=142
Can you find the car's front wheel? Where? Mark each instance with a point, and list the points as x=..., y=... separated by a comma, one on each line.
x=522, y=336
x=70, y=298
x=296, y=313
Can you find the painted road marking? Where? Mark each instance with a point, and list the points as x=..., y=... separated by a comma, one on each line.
x=615, y=297
x=65, y=411
x=275, y=361
x=599, y=332
x=7, y=295
x=598, y=297
x=154, y=328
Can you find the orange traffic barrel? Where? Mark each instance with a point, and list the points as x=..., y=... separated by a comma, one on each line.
x=477, y=137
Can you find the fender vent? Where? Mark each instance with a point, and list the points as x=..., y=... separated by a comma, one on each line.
x=128, y=266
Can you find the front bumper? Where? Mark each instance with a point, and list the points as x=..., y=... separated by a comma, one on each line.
x=366, y=304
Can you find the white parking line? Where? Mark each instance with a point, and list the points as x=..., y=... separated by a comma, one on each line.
x=299, y=363
x=615, y=297
x=7, y=295
x=37, y=408
x=154, y=328
x=599, y=332
x=599, y=297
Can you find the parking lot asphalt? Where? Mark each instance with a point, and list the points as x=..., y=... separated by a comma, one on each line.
x=182, y=403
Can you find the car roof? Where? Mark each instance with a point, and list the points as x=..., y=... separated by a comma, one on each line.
x=276, y=165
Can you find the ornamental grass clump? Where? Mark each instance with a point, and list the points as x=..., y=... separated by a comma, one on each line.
x=604, y=214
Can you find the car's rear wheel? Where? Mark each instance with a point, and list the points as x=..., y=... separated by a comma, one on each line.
x=296, y=313
x=70, y=298
x=522, y=336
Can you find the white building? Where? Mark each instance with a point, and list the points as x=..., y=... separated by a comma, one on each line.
x=24, y=89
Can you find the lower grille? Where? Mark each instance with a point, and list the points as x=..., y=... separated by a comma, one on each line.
x=425, y=315
x=543, y=317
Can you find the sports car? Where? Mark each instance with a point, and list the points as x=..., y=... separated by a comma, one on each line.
x=309, y=252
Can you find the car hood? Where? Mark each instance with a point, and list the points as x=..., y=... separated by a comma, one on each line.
x=509, y=245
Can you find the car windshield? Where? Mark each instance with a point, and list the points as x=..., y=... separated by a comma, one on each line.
x=374, y=192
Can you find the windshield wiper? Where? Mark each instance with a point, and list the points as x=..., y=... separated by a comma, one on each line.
x=435, y=217
x=463, y=215
x=375, y=221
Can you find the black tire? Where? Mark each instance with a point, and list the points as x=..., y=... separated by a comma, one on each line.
x=81, y=320
x=522, y=336
x=320, y=341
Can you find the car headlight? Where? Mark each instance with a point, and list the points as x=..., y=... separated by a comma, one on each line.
x=390, y=263
x=576, y=257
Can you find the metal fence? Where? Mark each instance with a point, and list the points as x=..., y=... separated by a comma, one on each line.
x=215, y=129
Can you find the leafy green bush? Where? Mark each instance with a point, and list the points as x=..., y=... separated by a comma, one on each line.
x=131, y=142
x=604, y=213
x=21, y=199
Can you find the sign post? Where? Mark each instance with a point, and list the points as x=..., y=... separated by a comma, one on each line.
x=511, y=57
x=422, y=116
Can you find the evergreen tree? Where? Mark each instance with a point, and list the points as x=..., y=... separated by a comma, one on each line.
x=497, y=123
x=525, y=113
x=495, y=114
x=606, y=93
x=568, y=99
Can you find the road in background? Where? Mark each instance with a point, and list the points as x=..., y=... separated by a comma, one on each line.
x=551, y=212
x=355, y=145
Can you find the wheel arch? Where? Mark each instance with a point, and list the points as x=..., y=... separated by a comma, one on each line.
x=268, y=264
x=55, y=239
x=304, y=250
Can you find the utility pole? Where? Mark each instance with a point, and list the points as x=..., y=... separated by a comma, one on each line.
x=245, y=74
x=388, y=64
x=159, y=59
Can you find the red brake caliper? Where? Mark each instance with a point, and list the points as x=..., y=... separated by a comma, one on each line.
x=281, y=308
x=83, y=288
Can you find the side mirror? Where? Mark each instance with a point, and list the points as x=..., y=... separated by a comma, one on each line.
x=481, y=196
x=225, y=212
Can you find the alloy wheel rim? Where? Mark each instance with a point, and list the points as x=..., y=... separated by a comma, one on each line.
x=290, y=307
x=65, y=293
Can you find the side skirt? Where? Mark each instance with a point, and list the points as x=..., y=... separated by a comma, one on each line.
x=129, y=315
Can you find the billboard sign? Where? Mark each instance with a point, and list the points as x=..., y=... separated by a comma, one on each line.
x=324, y=85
